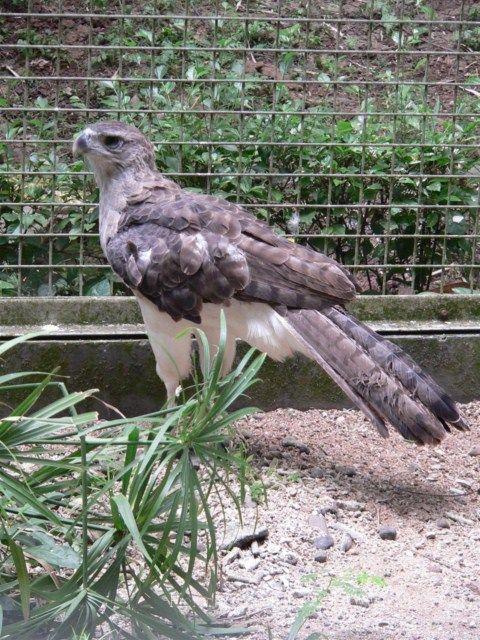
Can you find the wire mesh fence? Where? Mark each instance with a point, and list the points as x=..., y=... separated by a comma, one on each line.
x=351, y=125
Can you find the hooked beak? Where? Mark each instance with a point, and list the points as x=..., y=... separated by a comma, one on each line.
x=81, y=144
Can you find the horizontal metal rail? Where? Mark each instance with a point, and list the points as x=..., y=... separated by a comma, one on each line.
x=247, y=80
x=242, y=18
x=198, y=50
x=264, y=143
x=260, y=174
x=239, y=112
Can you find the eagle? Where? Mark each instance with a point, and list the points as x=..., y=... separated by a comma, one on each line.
x=186, y=256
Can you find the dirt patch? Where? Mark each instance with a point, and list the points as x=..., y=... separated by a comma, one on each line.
x=332, y=462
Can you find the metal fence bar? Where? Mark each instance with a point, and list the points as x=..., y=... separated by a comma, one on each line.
x=354, y=132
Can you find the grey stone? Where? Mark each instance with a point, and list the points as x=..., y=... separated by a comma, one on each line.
x=350, y=505
x=347, y=471
x=238, y=613
x=324, y=542
x=317, y=521
x=236, y=577
x=387, y=532
x=456, y=517
x=300, y=593
x=346, y=543
x=243, y=537
x=289, y=557
x=475, y=452
x=353, y=533
x=295, y=444
x=316, y=472
x=360, y=601
x=331, y=507
x=321, y=556
x=231, y=556
x=443, y=523
x=249, y=563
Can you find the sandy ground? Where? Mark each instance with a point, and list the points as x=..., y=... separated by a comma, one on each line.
x=429, y=575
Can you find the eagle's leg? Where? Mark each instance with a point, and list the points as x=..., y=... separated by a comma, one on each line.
x=171, y=346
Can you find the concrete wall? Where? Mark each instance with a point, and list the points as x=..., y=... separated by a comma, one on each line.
x=101, y=343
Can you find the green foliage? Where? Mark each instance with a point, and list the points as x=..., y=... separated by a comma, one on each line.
x=294, y=477
x=470, y=36
x=348, y=584
x=100, y=521
x=258, y=492
x=358, y=150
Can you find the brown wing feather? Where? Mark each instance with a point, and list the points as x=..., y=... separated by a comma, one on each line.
x=181, y=249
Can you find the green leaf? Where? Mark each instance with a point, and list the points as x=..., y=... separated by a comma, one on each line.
x=41, y=546
x=133, y=435
x=18, y=558
x=126, y=513
x=344, y=127
x=14, y=341
x=98, y=288
x=24, y=496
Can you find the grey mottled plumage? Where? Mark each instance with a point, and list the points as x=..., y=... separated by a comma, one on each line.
x=185, y=255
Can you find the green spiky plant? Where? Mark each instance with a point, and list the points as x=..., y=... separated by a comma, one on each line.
x=100, y=522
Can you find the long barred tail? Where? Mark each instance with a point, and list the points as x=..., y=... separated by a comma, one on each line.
x=377, y=376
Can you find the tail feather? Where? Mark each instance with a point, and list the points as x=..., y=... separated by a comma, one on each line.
x=382, y=380
x=395, y=361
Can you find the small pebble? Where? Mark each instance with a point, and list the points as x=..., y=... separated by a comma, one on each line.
x=295, y=444
x=249, y=563
x=289, y=557
x=474, y=586
x=387, y=532
x=243, y=537
x=321, y=556
x=443, y=523
x=350, y=505
x=324, y=542
x=317, y=521
x=233, y=555
x=475, y=452
x=347, y=471
x=346, y=544
x=434, y=568
x=238, y=613
x=360, y=601
x=331, y=507
x=456, y=517
x=300, y=593
x=468, y=484
x=316, y=472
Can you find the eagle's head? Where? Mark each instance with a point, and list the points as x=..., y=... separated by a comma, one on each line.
x=112, y=147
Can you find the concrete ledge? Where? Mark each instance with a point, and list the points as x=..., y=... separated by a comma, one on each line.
x=116, y=311
x=101, y=343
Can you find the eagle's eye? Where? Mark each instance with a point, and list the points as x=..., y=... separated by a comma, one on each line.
x=112, y=142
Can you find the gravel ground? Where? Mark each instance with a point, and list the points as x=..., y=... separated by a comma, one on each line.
x=331, y=478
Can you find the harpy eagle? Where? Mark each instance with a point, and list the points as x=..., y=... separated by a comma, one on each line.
x=186, y=256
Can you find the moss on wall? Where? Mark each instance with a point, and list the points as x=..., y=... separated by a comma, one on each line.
x=124, y=372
